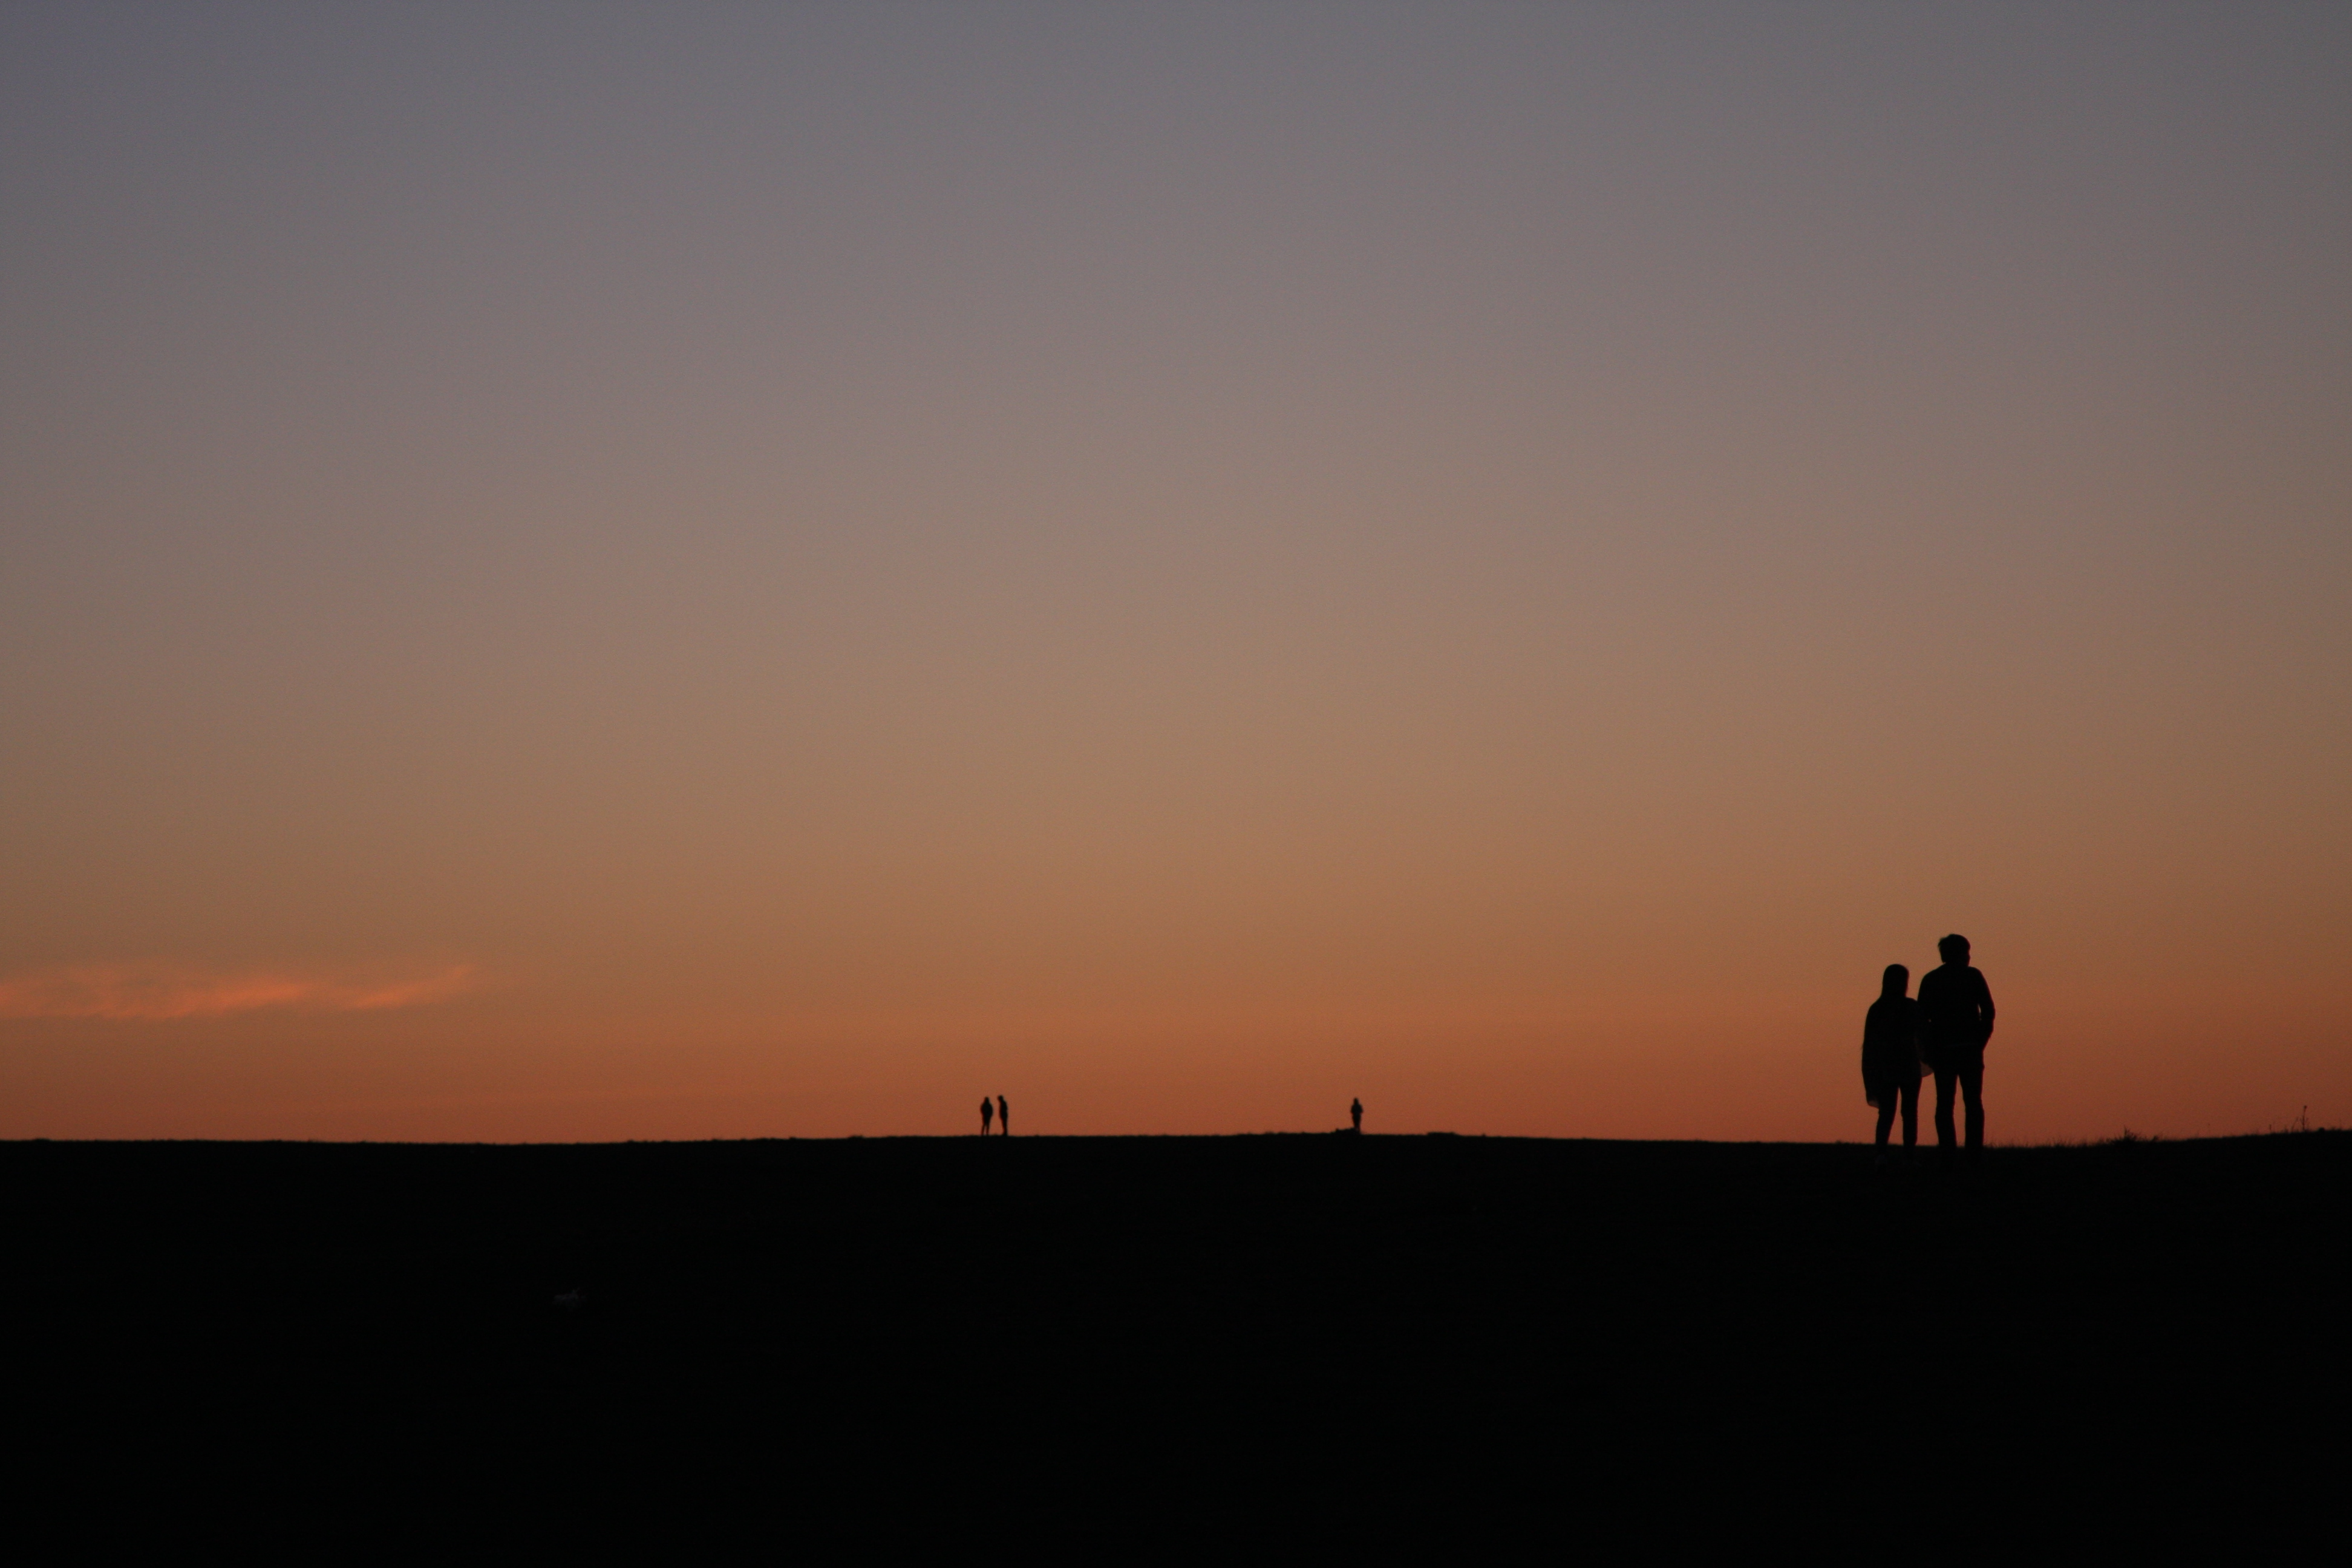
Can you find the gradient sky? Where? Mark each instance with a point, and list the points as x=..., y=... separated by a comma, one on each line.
x=577, y=572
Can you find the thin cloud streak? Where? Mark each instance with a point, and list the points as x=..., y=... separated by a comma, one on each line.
x=162, y=992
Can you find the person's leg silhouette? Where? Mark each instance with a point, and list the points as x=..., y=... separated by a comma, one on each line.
x=1971, y=1076
x=1946, y=1138
x=1910, y=1091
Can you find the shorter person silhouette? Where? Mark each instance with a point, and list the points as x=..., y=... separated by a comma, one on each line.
x=1890, y=1056
x=1355, y=1114
x=1005, y=1116
x=1955, y=1008
x=987, y=1114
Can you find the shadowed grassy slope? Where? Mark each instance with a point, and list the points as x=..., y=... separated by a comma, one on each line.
x=1276, y=1318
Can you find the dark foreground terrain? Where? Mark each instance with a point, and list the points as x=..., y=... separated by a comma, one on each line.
x=1307, y=1337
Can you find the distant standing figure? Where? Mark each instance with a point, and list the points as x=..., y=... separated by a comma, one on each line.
x=987, y=1114
x=1890, y=1056
x=1005, y=1116
x=1956, y=1010
x=1355, y=1114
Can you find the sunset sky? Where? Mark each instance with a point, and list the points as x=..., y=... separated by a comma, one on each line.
x=578, y=573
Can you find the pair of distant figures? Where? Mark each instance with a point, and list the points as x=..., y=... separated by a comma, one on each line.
x=1943, y=1032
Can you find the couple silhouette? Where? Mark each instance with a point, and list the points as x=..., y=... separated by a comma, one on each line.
x=1000, y=1112
x=1942, y=1032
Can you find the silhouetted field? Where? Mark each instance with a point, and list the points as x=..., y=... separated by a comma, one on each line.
x=1320, y=1331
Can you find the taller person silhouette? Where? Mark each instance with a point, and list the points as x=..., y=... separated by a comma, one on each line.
x=1956, y=1007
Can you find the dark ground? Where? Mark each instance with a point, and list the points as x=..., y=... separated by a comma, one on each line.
x=1315, y=1334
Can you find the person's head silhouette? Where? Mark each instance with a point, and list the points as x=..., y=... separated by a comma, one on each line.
x=1954, y=949
x=1896, y=981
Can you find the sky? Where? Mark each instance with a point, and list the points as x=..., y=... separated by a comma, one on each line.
x=583, y=572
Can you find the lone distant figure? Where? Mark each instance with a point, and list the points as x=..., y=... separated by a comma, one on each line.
x=1956, y=1013
x=1005, y=1116
x=1890, y=1056
x=987, y=1114
x=1355, y=1114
